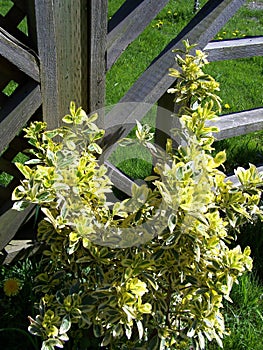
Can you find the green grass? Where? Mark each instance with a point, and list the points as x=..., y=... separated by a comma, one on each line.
x=137, y=57
x=244, y=316
x=241, y=80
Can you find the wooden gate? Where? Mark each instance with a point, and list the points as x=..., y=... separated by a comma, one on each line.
x=64, y=55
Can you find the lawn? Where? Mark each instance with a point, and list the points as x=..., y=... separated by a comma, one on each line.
x=239, y=91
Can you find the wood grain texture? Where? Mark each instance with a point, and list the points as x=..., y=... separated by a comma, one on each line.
x=240, y=123
x=45, y=25
x=234, y=48
x=70, y=27
x=119, y=179
x=13, y=116
x=61, y=31
x=18, y=55
x=97, y=19
x=10, y=222
x=127, y=23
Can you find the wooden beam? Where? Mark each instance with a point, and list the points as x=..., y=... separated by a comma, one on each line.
x=48, y=62
x=155, y=81
x=14, y=115
x=240, y=123
x=61, y=32
x=128, y=23
x=234, y=48
x=10, y=222
x=18, y=55
x=119, y=179
x=97, y=25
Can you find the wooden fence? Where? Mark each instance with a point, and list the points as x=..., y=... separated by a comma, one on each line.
x=64, y=55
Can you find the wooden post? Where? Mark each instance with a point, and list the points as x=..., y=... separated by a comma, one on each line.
x=97, y=41
x=62, y=48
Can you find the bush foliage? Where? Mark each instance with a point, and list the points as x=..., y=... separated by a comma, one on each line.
x=151, y=271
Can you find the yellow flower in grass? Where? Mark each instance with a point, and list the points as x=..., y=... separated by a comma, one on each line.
x=12, y=286
x=227, y=106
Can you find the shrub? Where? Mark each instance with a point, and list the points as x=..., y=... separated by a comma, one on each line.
x=151, y=271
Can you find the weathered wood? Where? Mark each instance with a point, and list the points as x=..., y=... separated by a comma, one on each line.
x=240, y=123
x=127, y=23
x=19, y=249
x=119, y=179
x=62, y=56
x=21, y=106
x=18, y=55
x=71, y=47
x=48, y=62
x=97, y=19
x=153, y=83
x=234, y=48
x=10, y=222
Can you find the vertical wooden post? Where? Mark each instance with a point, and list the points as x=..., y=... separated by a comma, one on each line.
x=97, y=41
x=62, y=48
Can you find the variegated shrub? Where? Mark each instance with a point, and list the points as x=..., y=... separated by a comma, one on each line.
x=108, y=280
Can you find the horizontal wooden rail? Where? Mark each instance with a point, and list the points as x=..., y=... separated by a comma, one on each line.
x=155, y=81
x=240, y=123
x=19, y=109
x=10, y=222
x=234, y=48
x=119, y=179
x=128, y=23
x=124, y=183
x=17, y=54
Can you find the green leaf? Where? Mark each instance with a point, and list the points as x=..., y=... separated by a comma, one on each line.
x=106, y=340
x=68, y=119
x=51, y=343
x=140, y=329
x=21, y=205
x=93, y=147
x=154, y=343
x=24, y=169
x=171, y=222
x=65, y=324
